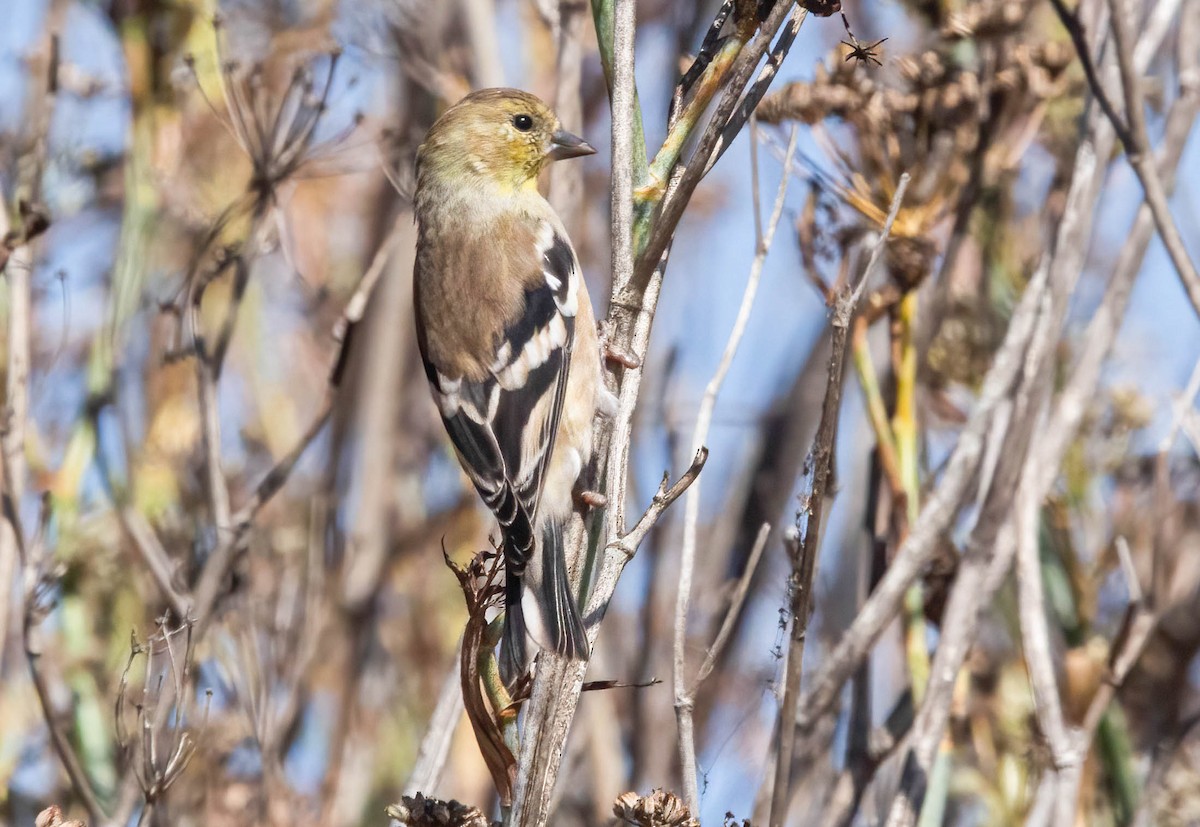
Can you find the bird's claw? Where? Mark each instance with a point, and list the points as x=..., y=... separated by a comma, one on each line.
x=611, y=352
x=592, y=499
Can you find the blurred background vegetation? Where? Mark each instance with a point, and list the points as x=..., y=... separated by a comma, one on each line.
x=225, y=516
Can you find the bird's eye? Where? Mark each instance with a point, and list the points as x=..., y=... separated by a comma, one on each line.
x=523, y=122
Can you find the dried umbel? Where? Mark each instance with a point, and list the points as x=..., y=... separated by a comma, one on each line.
x=659, y=809
x=419, y=811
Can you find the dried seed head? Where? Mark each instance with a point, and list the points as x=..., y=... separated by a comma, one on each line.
x=419, y=811
x=659, y=809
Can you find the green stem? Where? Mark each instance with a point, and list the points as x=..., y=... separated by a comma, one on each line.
x=904, y=427
x=493, y=685
x=602, y=15
x=703, y=92
x=1116, y=751
x=868, y=380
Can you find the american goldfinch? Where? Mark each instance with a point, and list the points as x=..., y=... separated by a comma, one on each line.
x=508, y=338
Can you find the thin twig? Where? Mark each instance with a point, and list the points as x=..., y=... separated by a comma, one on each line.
x=1180, y=410
x=685, y=697
x=1132, y=63
x=1035, y=631
x=735, y=608
x=662, y=500
x=1138, y=150
x=155, y=556
x=59, y=738
x=435, y=743
x=1079, y=40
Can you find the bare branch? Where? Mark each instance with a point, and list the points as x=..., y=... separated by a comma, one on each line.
x=805, y=546
x=735, y=607
x=685, y=697
x=435, y=744
x=1137, y=148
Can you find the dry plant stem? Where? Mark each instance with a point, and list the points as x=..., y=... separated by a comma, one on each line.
x=757, y=89
x=551, y=707
x=215, y=570
x=1098, y=339
x=12, y=429
x=18, y=272
x=984, y=566
x=1137, y=147
x=993, y=538
x=556, y=689
x=55, y=723
x=735, y=607
x=1035, y=630
x=940, y=509
x=1043, y=458
x=35, y=579
x=685, y=696
x=218, y=491
x=624, y=113
x=356, y=307
x=1132, y=64
x=151, y=550
x=805, y=565
x=1181, y=409
x=435, y=744
x=1071, y=405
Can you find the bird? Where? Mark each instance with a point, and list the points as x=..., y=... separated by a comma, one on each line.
x=508, y=338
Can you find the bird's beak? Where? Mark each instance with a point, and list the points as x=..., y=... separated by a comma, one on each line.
x=565, y=145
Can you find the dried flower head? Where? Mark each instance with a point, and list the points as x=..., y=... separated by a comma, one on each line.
x=276, y=131
x=659, y=809
x=419, y=811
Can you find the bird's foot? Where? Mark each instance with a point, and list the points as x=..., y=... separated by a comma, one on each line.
x=610, y=352
x=591, y=499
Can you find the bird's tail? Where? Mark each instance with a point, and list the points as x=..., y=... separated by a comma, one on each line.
x=554, y=621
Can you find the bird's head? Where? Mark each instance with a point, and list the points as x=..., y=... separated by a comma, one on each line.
x=503, y=136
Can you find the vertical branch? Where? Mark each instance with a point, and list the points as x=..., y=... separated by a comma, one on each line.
x=635, y=293
x=480, y=20
x=1035, y=631
x=566, y=180
x=625, y=143
x=12, y=429
x=17, y=267
x=551, y=708
x=805, y=546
